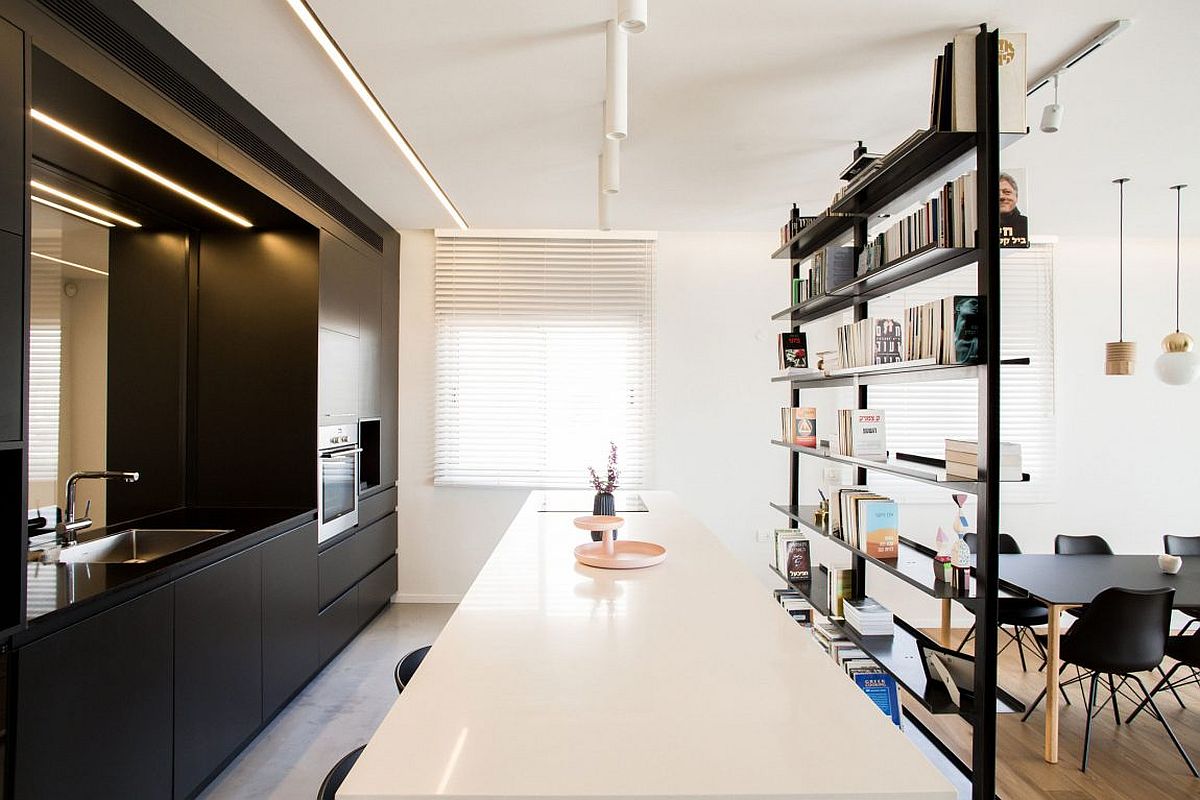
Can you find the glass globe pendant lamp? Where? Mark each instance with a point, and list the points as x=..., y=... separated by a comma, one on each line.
x=1179, y=363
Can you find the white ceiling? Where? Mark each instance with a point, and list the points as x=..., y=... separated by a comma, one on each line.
x=737, y=108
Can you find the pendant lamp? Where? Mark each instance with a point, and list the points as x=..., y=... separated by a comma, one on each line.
x=1120, y=356
x=1179, y=361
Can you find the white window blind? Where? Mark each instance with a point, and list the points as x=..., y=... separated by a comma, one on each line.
x=921, y=416
x=45, y=376
x=544, y=356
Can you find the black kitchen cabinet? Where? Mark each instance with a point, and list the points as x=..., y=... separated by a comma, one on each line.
x=338, y=623
x=12, y=129
x=338, y=285
x=94, y=706
x=376, y=590
x=349, y=561
x=375, y=543
x=368, y=283
x=290, y=649
x=389, y=375
x=218, y=665
x=12, y=338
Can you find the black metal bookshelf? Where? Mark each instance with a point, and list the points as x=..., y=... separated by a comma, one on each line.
x=910, y=173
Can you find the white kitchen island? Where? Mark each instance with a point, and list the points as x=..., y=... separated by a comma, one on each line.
x=686, y=679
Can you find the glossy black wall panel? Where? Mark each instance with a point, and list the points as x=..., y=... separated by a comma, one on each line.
x=289, y=626
x=94, y=704
x=256, y=351
x=12, y=129
x=12, y=336
x=147, y=358
x=218, y=665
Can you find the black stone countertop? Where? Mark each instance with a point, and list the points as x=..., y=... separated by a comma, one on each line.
x=61, y=594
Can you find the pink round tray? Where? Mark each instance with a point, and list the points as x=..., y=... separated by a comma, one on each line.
x=620, y=555
x=599, y=523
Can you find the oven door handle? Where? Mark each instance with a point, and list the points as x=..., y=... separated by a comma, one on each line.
x=340, y=453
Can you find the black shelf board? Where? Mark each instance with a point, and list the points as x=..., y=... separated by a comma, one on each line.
x=931, y=471
x=897, y=373
x=897, y=173
x=920, y=265
x=12, y=445
x=913, y=565
x=815, y=591
x=813, y=236
x=898, y=656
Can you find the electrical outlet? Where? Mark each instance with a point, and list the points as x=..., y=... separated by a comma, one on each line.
x=764, y=537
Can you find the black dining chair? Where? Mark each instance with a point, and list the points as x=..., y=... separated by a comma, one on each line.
x=333, y=781
x=1120, y=633
x=1019, y=613
x=1065, y=545
x=1186, y=652
x=1184, y=546
x=407, y=666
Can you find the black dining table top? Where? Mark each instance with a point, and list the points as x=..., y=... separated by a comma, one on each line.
x=1075, y=580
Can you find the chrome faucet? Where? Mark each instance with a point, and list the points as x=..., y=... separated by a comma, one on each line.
x=65, y=531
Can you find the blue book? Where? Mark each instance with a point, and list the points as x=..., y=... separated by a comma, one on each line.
x=881, y=688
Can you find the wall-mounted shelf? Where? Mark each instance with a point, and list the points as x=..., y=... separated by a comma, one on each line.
x=920, y=265
x=898, y=655
x=813, y=236
x=921, y=371
x=893, y=176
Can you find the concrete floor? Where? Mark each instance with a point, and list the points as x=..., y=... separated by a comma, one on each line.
x=335, y=713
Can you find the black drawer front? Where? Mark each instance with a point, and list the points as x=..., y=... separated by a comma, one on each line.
x=376, y=590
x=338, y=624
x=338, y=568
x=376, y=506
x=375, y=544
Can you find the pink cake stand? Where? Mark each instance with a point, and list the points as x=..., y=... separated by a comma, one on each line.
x=611, y=554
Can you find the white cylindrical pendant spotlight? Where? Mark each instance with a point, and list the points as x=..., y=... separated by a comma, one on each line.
x=610, y=167
x=603, y=208
x=631, y=15
x=616, y=106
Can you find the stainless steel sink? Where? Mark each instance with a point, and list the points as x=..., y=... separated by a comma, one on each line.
x=137, y=545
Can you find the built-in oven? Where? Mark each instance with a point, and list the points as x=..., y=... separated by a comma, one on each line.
x=337, y=479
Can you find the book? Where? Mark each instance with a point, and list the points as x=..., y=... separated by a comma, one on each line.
x=868, y=617
x=879, y=534
x=840, y=583
x=839, y=265
x=793, y=350
x=800, y=426
x=783, y=539
x=799, y=560
x=881, y=688
x=835, y=507
x=869, y=342
x=1011, y=82
x=862, y=434
x=963, y=100
x=962, y=330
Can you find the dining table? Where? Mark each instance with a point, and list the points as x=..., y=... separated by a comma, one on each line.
x=1068, y=581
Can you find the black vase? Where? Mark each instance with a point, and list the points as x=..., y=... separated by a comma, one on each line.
x=604, y=506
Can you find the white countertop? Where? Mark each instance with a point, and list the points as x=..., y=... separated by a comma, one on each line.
x=554, y=680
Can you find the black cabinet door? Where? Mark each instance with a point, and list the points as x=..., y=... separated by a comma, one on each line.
x=338, y=624
x=368, y=284
x=376, y=590
x=389, y=378
x=289, y=623
x=374, y=543
x=218, y=665
x=12, y=337
x=12, y=129
x=94, y=706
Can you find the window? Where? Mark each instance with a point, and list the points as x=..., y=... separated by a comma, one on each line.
x=921, y=416
x=544, y=355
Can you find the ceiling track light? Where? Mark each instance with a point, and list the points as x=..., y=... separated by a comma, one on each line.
x=1111, y=32
x=632, y=15
x=66, y=263
x=1052, y=114
x=616, y=81
x=71, y=211
x=79, y=201
x=339, y=59
x=140, y=169
x=610, y=166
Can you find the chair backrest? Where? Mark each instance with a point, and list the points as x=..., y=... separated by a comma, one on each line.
x=1007, y=544
x=407, y=666
x=1121, y=631
x=1181, y=545
x=1081, y=546
x=333, y=781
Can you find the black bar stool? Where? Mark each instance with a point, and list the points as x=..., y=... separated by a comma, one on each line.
x=407, y=667
x=333, y=781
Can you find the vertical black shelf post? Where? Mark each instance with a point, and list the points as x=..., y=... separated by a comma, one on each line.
x=859, y=589
x=983, y=747
x=794, y=393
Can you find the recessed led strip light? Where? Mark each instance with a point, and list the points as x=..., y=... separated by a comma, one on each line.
x=140, y=169
x=79, y=201
x=356, y=82
x=68, y=263
x=71, y=211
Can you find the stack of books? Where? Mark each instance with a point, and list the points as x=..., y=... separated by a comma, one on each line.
x=945, y=220
x=826, y=634
x=862, y=434
x=840, y=584
x=949, y=330
x=962, y=458
x=866, y=520
x=796, y=606
x=868, y=617
x=869, y=342
x=830, y=268
x=794, y=225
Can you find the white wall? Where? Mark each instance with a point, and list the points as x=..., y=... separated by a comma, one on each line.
x=715, y=352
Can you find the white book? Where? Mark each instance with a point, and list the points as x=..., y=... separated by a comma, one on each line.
x=962, y=96
x=1012, y=83
x=868, y=435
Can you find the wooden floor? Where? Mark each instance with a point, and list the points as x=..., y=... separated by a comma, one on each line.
x=1135, y=761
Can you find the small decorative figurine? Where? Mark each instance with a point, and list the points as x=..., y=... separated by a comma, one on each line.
x=941, y=561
